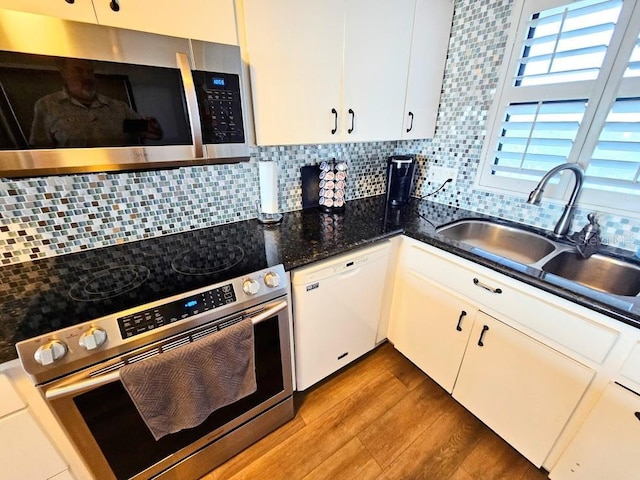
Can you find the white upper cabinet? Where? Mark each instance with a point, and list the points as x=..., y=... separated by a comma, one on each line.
x=377, y=46
x=431, y=31
x=336, y=71
x=78, y=10
x=295, y=58
x=210, y=20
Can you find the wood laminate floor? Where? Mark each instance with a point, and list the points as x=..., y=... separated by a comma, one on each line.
x=379, y=418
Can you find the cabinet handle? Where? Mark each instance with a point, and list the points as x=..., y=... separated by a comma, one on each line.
x=637, y=414
x=486, y=287
x=353, y=118
x=115, y=6
x=484, y=330
x=411, y=124
x=70, y=1
x=335, y=121
x=462, y=315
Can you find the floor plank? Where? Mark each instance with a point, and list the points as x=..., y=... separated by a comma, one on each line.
x=352, y=461
x=391, y=433
x=492, y=459
x=440, y=449
x=257, y=450
x=379, y=418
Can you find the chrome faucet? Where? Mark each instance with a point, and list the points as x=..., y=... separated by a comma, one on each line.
x=562, y=227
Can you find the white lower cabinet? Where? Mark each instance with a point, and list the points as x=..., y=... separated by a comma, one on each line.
x=504, y=351
x=25, y=451
x=431, y=327
x=522, y=389
x=606, y=446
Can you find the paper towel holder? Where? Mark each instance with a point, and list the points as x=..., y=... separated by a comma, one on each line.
x=267, y=207
x=267, y=218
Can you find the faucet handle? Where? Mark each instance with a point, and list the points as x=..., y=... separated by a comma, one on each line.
x=588, y=240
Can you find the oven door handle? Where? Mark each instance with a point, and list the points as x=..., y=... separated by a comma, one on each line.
x=91, y=383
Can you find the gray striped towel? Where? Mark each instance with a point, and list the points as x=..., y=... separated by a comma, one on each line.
x=181, y=388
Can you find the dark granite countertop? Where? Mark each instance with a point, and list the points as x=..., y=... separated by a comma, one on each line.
x=31, y=292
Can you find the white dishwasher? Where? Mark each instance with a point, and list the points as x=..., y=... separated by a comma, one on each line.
x=336, y=309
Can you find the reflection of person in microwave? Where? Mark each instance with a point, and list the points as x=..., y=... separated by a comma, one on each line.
x=79, y=116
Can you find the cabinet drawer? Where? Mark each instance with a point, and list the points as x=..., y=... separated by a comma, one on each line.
x=515, y=300
x=631, y=367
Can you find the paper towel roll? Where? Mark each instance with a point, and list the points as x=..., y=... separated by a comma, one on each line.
x=268, y=186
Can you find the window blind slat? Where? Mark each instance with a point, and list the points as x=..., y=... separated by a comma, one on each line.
x=575, y=11
x=580, y=33
x=615, y=162
x=577, y=52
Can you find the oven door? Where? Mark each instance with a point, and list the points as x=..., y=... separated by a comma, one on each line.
x=115, y=443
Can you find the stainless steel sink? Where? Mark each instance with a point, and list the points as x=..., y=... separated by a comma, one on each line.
x=509, y=242
x=598, y=272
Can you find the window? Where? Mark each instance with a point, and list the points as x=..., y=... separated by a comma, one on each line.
x=570, y=92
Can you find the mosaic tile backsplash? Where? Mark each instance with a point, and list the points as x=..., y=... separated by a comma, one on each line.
x=48, y=216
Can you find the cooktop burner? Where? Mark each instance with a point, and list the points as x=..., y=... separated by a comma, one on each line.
x=53, y=293
x=208, y=259
x=109, y=282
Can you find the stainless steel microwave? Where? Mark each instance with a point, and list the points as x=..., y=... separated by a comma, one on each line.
x=78, y=97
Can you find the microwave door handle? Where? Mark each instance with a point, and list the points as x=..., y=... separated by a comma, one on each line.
x=91, y=383
x=192, y=104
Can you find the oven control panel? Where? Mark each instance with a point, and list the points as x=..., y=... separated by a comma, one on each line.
x=159, y=316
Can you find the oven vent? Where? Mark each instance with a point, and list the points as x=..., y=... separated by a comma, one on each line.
x=175, y=344
x=229, y=322
x=143, y=356
x=203, y=333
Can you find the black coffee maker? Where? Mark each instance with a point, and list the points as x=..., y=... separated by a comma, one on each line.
x=400, y=173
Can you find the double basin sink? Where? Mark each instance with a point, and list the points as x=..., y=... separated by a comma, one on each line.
x=599, y=272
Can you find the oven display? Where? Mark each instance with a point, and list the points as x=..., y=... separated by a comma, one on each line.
x=141, y=322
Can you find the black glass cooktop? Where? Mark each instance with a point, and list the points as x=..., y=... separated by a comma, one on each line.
x=53, y=293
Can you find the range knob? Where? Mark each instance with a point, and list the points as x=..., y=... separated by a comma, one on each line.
x=50, y=352
x=93, y=338
x=250, y=286
x=272, y=279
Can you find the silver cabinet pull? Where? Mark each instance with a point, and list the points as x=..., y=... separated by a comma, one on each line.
x=486, y=287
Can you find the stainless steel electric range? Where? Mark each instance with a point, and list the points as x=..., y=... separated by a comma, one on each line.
x=81, y=317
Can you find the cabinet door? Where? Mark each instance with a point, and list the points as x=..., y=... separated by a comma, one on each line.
x=606, y=445
x=295, y=59
x=430, y=326
x=431, y=30
x=209, y=20
x=376, y=63
x=25, y=452
x=522, y=389
x=80, y=10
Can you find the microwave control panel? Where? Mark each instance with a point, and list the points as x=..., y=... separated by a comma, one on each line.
x=220, y=107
